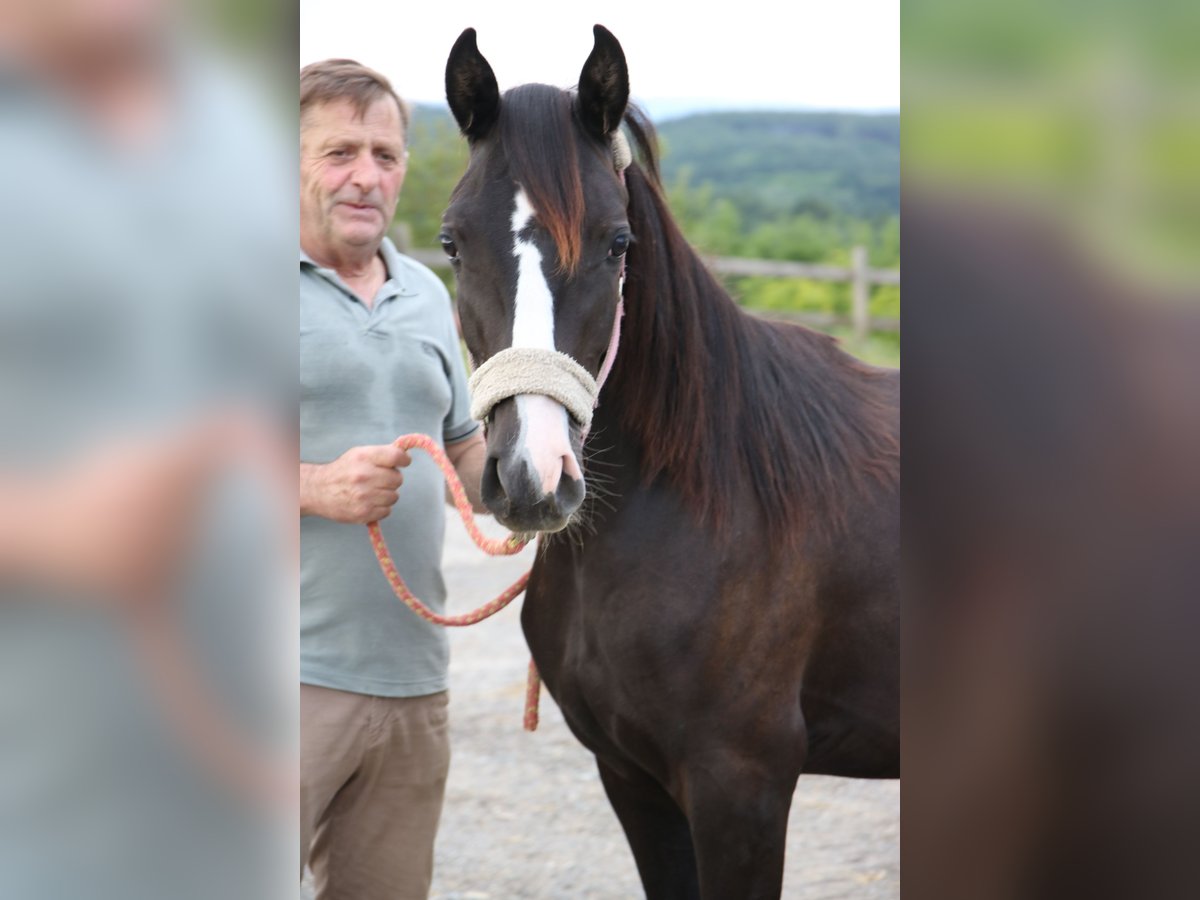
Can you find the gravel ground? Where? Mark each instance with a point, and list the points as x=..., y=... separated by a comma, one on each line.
x=526, y=816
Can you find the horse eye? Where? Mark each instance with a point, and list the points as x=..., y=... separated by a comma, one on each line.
x=448, y=245
x=619, y=245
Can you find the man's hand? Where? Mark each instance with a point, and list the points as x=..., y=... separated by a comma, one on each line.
x=357, y=488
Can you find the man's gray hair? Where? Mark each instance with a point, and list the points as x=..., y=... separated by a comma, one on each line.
x=345, y=79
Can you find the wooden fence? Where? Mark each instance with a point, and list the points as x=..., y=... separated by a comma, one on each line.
x=860, y=276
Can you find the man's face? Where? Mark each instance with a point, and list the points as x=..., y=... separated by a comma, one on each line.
x=351, y=169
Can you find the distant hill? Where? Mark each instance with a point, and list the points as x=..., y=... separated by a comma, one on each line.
x=774, y=163
x=770, y=164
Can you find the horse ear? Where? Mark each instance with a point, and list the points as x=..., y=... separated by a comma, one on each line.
x=603, y=85
x=471, y=88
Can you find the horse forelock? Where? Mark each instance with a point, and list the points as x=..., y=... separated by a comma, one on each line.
x=540, y=140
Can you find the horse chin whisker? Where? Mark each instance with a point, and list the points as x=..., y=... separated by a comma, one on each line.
x=599, y=491
x=591, y=458
x=582, y=522
x=590, y=462
x=599, y=481
x=577, y=525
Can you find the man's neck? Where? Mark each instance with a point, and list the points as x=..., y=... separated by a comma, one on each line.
x=363, y=273
x=347, y=260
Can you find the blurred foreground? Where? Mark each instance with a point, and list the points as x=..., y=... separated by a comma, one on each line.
x=147, y=377
x=1052, y=430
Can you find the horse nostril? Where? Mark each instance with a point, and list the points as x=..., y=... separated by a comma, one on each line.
x=552, y=476
x=570, y=467
x=569, y=495
x=517, y=482
x=490, y=482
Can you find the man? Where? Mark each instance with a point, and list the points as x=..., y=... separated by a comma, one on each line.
x=379, y=357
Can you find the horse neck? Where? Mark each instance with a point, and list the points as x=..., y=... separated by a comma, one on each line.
x=679, y=322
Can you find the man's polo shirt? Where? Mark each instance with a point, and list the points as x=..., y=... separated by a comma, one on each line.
x=368, y=376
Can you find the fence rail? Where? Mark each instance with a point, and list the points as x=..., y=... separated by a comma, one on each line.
x=860, y=276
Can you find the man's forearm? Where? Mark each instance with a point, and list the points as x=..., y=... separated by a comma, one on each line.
x=469, y=458
x=310, y=489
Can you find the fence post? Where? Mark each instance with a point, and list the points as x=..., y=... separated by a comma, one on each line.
x=860, y=294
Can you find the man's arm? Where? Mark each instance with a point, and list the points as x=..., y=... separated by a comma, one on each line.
x=357, y=488
x=468, y=457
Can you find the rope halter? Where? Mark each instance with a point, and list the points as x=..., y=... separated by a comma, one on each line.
x=533, y=370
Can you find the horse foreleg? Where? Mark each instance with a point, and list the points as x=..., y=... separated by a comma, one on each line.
x=739, y=816
x=658, y=834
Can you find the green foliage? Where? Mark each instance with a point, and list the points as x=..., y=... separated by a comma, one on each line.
x=437, y=159
x=717, y=228
x=773, y=164
x=1081, y=111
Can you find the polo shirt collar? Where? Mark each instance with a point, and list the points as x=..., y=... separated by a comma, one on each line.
x=396, y=283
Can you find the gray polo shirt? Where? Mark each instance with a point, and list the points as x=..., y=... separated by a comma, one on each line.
x=368, y=376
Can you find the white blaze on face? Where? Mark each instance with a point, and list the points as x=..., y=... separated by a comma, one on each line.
x=544, y=438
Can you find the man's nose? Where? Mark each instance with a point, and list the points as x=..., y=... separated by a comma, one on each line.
x=366, y=173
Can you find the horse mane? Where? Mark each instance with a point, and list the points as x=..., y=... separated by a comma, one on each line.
x=719, y=400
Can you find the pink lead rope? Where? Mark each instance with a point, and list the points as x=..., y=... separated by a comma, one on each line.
x=506, y=547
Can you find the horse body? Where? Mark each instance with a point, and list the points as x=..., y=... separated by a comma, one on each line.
x=705, y=681
x=721, y=612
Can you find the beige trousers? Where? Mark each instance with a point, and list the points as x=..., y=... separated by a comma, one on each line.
x=372, y=777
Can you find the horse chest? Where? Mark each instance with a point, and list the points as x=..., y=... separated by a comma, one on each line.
x=603, y=707
x=609, y=643
x=583, y=637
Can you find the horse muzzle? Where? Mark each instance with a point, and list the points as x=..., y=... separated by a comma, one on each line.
x=532, y=480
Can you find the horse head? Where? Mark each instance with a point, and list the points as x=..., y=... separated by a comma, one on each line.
x=536, y=232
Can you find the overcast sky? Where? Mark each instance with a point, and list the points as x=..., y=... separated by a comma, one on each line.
x=801, y=55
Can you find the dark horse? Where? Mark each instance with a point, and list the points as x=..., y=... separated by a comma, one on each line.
x=721, y=612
